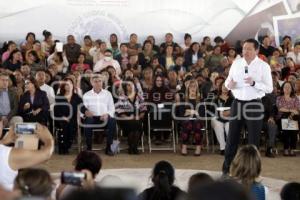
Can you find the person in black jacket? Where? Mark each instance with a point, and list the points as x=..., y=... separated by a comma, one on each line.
x=269, y=125
x=66, y=115
x=192, y=55
x=34, y=104
x=163, y=176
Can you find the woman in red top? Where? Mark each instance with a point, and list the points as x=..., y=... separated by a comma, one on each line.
x=80, y=66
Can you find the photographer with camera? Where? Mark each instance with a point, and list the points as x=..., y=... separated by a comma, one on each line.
x=13, y=159
x=87, y=166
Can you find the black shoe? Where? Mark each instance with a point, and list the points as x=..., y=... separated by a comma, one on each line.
x=109, y=152
x=136, y=151
x=222, y=152
x=130, y=150
x=225, y=176
x=269, y=153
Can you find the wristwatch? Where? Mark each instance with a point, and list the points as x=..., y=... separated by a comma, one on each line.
x=253, y=83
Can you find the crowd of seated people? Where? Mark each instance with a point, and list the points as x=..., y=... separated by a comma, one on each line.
x=89, y=77
x=19, y=180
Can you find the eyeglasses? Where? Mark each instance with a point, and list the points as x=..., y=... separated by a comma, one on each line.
x=158, y=80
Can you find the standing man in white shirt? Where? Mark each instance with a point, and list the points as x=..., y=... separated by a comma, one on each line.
x=249, y=80
x=100, y=110
x=107, y=61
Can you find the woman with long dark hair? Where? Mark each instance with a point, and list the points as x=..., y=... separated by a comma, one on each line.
x=7, y=49
x=28, y=43
x=113, y=44
x=14, y=61
x=289, y=107
x=163, y=176
x=48, y=43
x=130, y=110
x=192, y=55
x=67, y=117
x=34, y=104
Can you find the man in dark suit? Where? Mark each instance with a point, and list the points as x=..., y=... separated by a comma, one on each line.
x=8, y=100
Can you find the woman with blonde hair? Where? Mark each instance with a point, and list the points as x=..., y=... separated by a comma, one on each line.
x=189, y=110
x=246, y=168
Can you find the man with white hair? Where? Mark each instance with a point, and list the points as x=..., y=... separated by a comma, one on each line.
x=99, y=110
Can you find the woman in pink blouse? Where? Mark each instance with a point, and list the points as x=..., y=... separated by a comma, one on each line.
x=288, y=106
x=81, y=66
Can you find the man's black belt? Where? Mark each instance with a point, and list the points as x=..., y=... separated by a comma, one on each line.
x=252, y=100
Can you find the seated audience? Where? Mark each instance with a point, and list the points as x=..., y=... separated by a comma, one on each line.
x=113, y=44
x=88, y=162
x=40, y=77
x=9, y=101
x=123, y=57
x=67, y=114
x=167, y=60
x=13, y=62
x=34, y=104
x=97, y=52
x=269, y=125
x=163, y=176
x=213, y=60
x=290, y=191
x=10, y=47
x=286, y=45
x=187, y=41
x=295, y=55
x=80, y=65
x=198, y=180
x=72, y=49
x=191, y=122
x=48, y=43
x=192, y=54
x=59, y=59
x=220, y=190
x=246, y=168
x=34, y=62
x=34, y=182
x=130, y=110
x=288, y=107
x=107, y=61
x=265, y=48
x=169, y=42
x=100, y=110
x=85, y=48
x=220, y=123
x=134, y=48
x=147, y=54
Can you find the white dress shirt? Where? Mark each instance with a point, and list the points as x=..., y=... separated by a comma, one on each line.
x=102, y=64
x=50, y=93
x=258, y=70
x=99, y=103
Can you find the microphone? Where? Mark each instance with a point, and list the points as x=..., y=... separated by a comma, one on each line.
x=246, y=69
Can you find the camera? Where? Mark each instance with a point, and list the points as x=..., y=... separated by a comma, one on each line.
x=72, y=178
x=27, y=138
x=25, y=128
